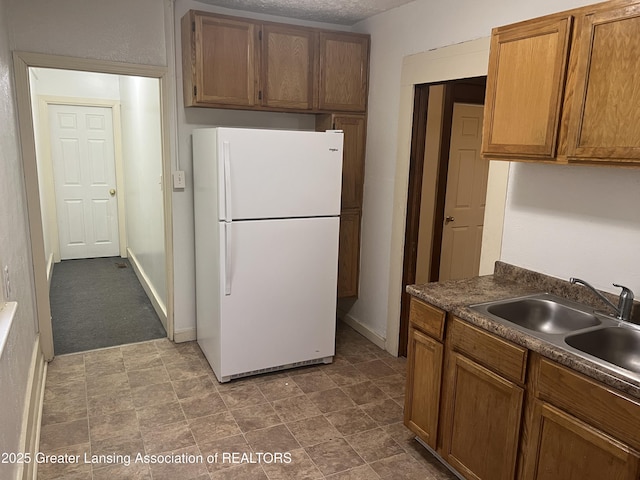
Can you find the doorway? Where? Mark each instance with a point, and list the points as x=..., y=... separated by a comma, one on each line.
x=41, y=192
x=433, y=123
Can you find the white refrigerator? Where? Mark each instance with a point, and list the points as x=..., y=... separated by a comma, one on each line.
x=267, y=218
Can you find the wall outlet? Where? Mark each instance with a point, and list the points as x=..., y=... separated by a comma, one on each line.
x=178, y=179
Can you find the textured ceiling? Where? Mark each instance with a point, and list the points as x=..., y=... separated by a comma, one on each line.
x=345, y=12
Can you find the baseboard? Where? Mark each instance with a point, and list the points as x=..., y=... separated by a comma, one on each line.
x=186, y=335
x=49, y=269
x=158, y=304
x=32, y=416
x=362, y=329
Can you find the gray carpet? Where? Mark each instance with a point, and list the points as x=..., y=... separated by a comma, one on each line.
x=99, y=302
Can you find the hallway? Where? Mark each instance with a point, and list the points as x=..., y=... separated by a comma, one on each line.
x=98, y=303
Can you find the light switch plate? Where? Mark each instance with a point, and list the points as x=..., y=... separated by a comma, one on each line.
x=178, y=179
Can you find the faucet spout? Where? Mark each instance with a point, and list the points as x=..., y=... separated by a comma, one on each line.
x=625, y=300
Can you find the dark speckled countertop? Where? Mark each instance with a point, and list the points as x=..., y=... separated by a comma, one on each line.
x=509, y=281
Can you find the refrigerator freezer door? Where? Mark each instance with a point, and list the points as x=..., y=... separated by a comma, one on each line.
x=282, y=307
x=278, y=173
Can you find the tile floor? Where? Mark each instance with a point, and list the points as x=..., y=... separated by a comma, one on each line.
x=338, y=421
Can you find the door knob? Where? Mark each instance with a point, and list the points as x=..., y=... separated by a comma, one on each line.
x=112, y=192
x=448, y=219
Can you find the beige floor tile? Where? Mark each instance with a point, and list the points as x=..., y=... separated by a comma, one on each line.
x=363, y=472
x=103, y=365
x=64, y=407
x=190, y=470
x=334, y=456
x=141, y=361
x=401, y=466
x=117, y=401
x=147, y=376
x=195, y=386
x=155, y=394
x=126, y=444
x=279, y=388
x=240, y=472
x=107, y=383
x=272, y=439
x=107, y=426
x=384, y=411
x=392, y=385
x=213, y=427
x=65, y=368
x=163, y=414
x=167, y=438
x=300, y=467
x=346, y=375
x=363, y=393
x=49, y=470
x=135, y=471
x=351, y=421
x=242, y=395
x=138, y=349
x=61, y=435
x=184, y=369
x=374, y=445
x=311, y=431
x=331, y=400
x=220, y=451
x=375, y=369
x=256, y=417
x=203, y=405
x=314, y=381
x=295, y=408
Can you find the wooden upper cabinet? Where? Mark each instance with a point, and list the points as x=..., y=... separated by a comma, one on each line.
x=525, y=84
x=289, y=74
x=219, y=60
x=354, y=128
x=344, y=71
x=605, y=119
x=349, y=254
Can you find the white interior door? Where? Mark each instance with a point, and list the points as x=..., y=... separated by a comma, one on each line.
x=466, y=196
x=83, y=157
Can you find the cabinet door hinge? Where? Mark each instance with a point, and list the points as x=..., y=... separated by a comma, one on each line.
x=259, y=94
x=259, y=34
x=195, y=91
x=193, y=26
x=333, y=126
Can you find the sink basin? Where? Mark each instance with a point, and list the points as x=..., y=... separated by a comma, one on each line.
x=543, y=315
x=617, y=345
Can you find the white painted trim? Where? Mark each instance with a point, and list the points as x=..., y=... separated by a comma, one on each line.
x=50, y=264
x=156, y=301
x=186, y=335
x=22, y=61
x=32, y=415
x=463, y=60
x=47, y=162
x=362, y=329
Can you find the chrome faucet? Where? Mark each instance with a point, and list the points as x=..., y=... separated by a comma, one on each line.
x=625, y=300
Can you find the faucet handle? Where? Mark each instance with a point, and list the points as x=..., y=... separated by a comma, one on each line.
x=626, y=292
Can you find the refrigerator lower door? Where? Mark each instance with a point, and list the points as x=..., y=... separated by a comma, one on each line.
x=282, y=306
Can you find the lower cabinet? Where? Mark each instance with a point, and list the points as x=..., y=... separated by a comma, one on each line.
x=482, y=417
x=424, y=370
x=564, y=447
x=494, y=410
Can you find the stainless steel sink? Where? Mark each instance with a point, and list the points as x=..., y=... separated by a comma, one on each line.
x=617, y=345
x=544, y=313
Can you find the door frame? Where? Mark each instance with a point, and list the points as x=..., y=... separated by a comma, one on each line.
x=44, y=101
x=462, y=60
x=22, y=61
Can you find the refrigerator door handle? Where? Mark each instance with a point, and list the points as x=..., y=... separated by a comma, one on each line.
x=227, y=259
x=226, y=155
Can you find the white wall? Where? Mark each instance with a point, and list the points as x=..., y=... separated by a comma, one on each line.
x=577, y=221
x=15, y=253
x=142, y=159
x=416, y=27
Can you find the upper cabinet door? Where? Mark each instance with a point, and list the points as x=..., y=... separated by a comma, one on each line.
x=525, y=85
x=224, y=63
x=354, y=128
x=288, y=67
x=344, y=71
x=605, y=120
